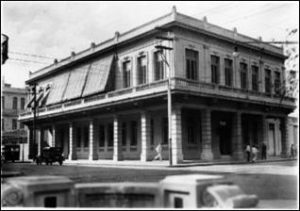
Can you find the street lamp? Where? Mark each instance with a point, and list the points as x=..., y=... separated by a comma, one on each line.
x=163, y=49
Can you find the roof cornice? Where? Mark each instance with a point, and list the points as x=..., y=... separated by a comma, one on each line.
x=170, y=19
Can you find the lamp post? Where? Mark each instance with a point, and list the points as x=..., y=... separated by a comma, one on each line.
x=163, y=49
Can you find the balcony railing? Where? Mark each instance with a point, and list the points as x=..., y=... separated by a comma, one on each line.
x=161, y=86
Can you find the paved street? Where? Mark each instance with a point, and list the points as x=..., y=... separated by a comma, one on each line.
x=270, y=181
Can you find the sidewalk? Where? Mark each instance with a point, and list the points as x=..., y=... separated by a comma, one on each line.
x=165, y=163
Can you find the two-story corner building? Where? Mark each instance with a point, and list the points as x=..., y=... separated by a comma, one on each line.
x=110, y=101
x=13, y=133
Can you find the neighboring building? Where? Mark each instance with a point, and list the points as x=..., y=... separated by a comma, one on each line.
x=13, y=102
x=110, y=101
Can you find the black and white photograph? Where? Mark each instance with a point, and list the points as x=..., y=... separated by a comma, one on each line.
x=150, y=105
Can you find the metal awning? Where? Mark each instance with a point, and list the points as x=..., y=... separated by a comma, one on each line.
x=98, y=76
x=76, y=82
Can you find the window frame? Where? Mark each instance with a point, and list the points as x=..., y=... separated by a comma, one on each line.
x=142, y=70
x=191, y=64
x=15, y=103
x=244, y=75
x=228, y=71
x=159, y=67
x=255, y=78
x=127, y=69
x=215, y=69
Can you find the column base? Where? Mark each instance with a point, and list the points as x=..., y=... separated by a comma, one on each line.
x=145, y=157
x=207, y=156
x=93, y=158
x=238, y=155
x=117, y=158
x=72, y=157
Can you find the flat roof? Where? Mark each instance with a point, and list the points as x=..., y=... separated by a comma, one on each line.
x=171, y=18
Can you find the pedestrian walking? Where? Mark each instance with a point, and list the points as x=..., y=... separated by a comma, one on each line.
x=248, y=152
x=254, y=153
x=293, y=151
x=264, y=151
x=158, y=150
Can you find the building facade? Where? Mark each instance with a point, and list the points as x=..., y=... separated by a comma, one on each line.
x=13, y=101
x=110, y=101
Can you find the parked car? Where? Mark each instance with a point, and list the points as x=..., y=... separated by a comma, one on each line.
x=10, y=153
x=50, y=155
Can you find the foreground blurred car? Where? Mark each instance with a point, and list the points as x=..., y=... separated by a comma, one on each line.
x=182, y=191
x=50, y=155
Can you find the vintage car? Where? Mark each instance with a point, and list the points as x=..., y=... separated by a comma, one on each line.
x=50, y=155
x=10, y=153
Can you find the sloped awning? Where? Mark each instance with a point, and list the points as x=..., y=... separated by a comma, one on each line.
x=42, y=101
x=38, y=98
x=98, y=76
x=14, y=137
x=81, y=81
x=76, y=82
x=59, y=84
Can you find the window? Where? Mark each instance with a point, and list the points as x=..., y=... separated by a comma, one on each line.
x=277, y=83
x=133, y=141
x=254, y=78
x=215, y=64
x=22, y=103
x=244, y=75
x=268, y=81
x=78, y=137
x=86, y=136
x=191, y=64
x=101, y=135
x=228, y=72
x=126, y=73
x=3, y=102
x=124, y=133
x=14, y=124
x=21, y=126
x=142, y=70
x=165, y=131
x=151, y=132
x=15, y=103
x=110, y=135
x=159, y=66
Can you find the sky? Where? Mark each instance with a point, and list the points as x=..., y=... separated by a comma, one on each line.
x=41, y=31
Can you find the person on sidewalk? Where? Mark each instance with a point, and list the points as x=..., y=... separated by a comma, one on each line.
x=264, y=151
x=248, y=152
x=293, y=151
x=254, y=153
x=158, y=150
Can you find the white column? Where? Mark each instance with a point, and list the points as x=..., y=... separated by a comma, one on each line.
x=72, y=143
x=206, y=135
x=145, y=136
x=38, y=141
x=176, y=134
x=237, y=143
x=117, y=140
x=93, y=143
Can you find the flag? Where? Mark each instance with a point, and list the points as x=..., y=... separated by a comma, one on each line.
x=293, y=31
x=4, y=48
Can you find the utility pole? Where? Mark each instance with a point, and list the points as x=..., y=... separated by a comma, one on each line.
x=163, y=49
